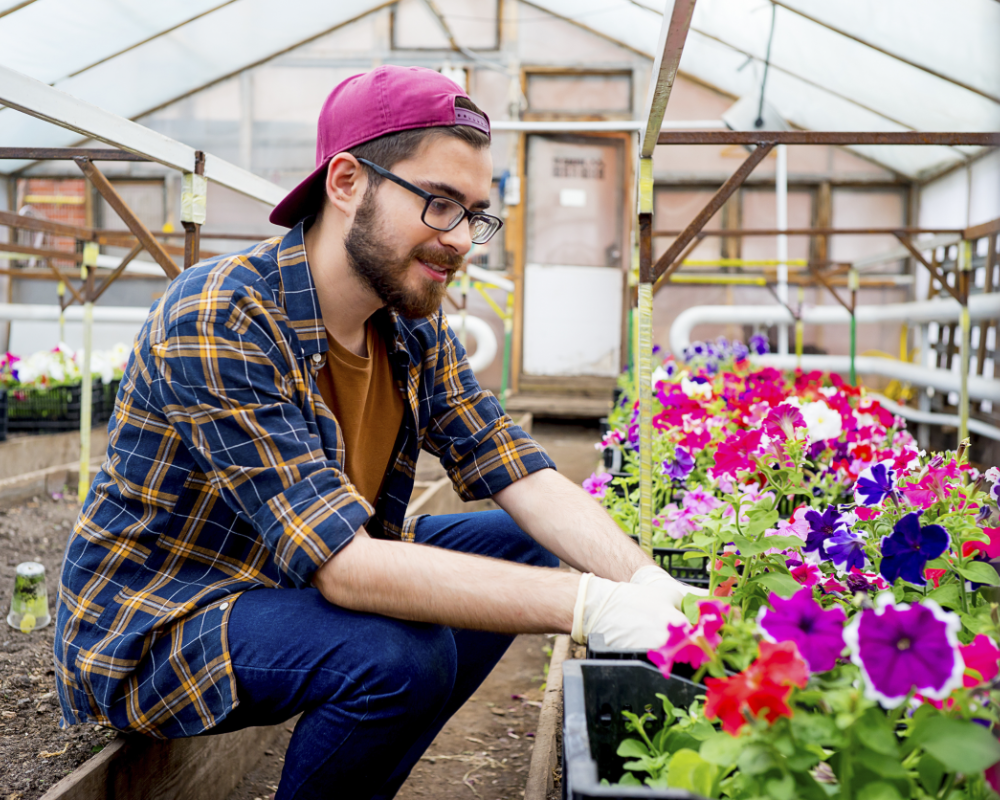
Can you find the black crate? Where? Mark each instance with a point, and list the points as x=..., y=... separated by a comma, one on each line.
x=594, y=695
x=692, y=571
x=3, y=415
x=51, y=410
x=596, y=649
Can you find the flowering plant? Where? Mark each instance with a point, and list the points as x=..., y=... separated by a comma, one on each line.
x=60, y=367
x=848, y=645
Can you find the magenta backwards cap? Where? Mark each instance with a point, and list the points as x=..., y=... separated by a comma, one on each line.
x=364, y=107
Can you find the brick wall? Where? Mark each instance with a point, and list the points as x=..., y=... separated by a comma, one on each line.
x=56, y=199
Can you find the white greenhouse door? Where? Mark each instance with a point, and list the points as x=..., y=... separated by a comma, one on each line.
x=574, y=281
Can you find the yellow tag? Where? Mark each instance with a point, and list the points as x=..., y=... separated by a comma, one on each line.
x=27, y=623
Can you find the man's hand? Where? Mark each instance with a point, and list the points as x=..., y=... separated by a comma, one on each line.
x=630, y=616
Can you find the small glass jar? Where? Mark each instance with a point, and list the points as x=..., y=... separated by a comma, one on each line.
x=29, y=607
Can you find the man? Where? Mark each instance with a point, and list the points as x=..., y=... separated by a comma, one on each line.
x=242, y=557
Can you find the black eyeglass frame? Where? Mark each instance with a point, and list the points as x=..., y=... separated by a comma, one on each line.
x=429, y=198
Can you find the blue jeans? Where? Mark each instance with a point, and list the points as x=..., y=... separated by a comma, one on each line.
x=373, y=691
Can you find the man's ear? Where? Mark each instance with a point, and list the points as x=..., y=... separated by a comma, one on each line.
x=346, y=183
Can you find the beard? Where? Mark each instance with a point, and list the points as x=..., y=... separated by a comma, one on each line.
x=371, y=258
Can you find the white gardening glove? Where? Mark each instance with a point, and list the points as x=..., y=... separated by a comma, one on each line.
x=672, y=588
x=630, y=616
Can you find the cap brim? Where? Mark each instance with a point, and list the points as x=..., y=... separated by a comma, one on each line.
x=303, y=200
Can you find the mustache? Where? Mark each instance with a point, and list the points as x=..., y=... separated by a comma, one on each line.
x=448, y=259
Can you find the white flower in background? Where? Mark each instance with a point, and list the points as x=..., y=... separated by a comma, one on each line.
x=62, y=366
x=822, y=422
x=659, y=374
x=696, y=390
x=992, y=475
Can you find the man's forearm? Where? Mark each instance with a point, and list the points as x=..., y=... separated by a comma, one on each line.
x=566, y=521
x=429, y=584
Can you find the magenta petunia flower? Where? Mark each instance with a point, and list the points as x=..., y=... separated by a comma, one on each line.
x=900, y=648
x=597, y=484
x=782, y=421
x=691, y=644
x=818, y=634
x=734, y=454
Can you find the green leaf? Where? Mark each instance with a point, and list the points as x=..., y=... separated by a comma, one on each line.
x=690, y=771
x=816, y=729
x=760, y=520
x=689, y=605
x=755, y=759
x=783, y=542
x=931, y=772
x=947, y=596
x=748, y=547
x=980, y=572
x=875, y=733
x=782, y=585
x=880, y=790
x=722, y=749
x=633, y=748
x=782, y=788
x=959, y=745
x=628, y=779
x=883, y=765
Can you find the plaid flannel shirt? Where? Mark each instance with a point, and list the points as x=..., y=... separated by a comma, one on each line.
x=223, y=474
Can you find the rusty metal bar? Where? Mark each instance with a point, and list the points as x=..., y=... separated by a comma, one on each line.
x=668, y=261
x=117, y=271
x=830, y=137
x=67, y=154
x=829, y=287
x=663, y=279
x=723, y=232
x=673, y=34
x=12, y=220
x=904, y=240
x=55, y=271
x=41, y=252
x=141, y=232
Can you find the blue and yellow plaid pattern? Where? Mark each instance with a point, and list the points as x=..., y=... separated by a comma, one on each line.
x=223, y=474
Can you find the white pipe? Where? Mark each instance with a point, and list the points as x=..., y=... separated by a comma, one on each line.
x=486, y=340
x=916, y=415
x=981, y=306
x=486, y=276
x=781, y=200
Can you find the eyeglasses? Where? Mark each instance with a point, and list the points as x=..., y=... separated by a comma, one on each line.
x=443, y=213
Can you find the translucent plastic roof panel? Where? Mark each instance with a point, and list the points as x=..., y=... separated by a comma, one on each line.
x=234, y=36
x=821, y=76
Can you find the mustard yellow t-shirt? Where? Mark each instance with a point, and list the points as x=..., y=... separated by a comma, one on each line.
x=363, y=396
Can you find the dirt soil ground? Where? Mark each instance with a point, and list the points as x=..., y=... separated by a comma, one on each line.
x=483, y=752
x=34, y=753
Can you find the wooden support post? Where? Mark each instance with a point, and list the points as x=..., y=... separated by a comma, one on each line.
x=139, y=230
x=194, y=196
x=644, y=357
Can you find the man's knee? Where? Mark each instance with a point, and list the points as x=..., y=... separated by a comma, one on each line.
x=415, y=666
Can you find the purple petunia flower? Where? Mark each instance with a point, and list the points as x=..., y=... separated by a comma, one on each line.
x=875, y=483
x=821, y=528
x=857, y=583
x=657, y=349
x=846, y=549
x=901, y=648
x=740, y=351
x=698, y=349
x=818, y=634
x=681, y=466
x=906, y=551
x=597, y=484
x=759, y=344
x=711, y=366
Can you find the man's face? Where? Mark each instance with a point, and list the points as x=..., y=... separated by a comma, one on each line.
x=405, y=263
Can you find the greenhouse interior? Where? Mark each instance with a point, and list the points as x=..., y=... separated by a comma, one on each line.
x=627, y=369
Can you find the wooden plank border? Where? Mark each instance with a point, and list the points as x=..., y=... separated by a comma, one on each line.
x=545, y=755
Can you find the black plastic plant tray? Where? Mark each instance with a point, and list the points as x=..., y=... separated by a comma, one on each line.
x=596, y=649
x=594, y=695
x=109, y=392
x=3, y=415
x=51, y=410
x=692, y=571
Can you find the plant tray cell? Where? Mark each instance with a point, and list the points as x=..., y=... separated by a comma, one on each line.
x=594, y=695
x=51, y=410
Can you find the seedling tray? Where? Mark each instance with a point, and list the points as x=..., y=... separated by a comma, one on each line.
x=51, y=410
x=594, y=695
x=692, y=571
